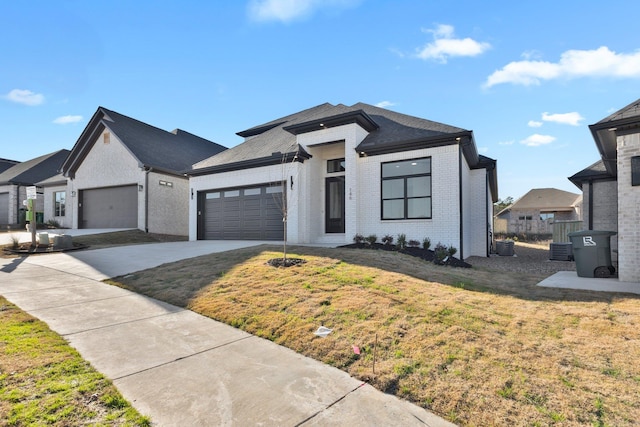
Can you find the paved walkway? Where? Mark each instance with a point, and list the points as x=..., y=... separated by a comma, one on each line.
x=178, y=367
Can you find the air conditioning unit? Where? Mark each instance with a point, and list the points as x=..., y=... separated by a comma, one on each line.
x=561, y=252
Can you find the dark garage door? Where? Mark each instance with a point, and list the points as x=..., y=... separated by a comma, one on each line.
x=110, y=207
x=252, y=213
x=4, y=208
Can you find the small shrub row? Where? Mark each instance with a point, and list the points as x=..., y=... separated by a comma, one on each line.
x=441, y=251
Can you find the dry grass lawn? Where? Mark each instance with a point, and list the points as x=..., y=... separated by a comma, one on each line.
x=476, y=346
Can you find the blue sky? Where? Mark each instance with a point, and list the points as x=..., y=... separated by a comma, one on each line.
x=527, y=77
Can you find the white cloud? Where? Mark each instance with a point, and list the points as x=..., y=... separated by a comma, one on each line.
x=600, y=62
x=65, y=120
x=506, y=142
x=444, y=45
x=26, y=97
x=537, y=140
x=534, y=124
x=385, y=104
x=291, y=10
x=483, y=150
x=572, y=118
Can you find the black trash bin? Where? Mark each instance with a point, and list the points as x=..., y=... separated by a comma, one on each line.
x=592, y=253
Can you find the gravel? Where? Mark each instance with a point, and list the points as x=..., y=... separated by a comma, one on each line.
x=528, y=258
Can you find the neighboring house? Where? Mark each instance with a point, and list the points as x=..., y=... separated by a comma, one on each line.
x=124, y=173
x=347, y=170
x=611, y=187
x=6, y=164
x=536, y=211
x=15, y=180
x=54, y=195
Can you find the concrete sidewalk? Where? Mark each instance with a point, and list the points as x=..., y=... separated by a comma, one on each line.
x=181, y=368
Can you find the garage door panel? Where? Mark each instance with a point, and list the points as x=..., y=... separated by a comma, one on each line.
x=242, y=214
x=4, y=208
x=110, y=207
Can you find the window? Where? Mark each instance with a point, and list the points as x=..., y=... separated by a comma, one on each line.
x=525, y=218
x=335, y=165
x=406, y=189
x=635, y=171
x=546, y=216
x=59, y=203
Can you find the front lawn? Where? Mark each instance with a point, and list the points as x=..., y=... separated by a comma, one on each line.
x=43, y=381
x=475, y=346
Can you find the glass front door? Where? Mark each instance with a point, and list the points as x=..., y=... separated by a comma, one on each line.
x=334, y=206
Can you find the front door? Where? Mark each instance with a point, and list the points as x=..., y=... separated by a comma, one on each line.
x=334, y=205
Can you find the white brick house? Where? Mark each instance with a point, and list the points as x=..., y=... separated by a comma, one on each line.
x=123, y=173
x=346, y=171
x=611, y=187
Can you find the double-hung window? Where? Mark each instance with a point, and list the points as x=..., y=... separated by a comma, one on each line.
x=59, y=203
x=406, y=189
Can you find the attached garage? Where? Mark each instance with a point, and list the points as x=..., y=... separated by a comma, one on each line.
x=110, y=207
x=248, y=213
x=4, y=208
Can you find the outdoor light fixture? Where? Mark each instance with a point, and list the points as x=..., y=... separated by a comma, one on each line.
x=140, y=187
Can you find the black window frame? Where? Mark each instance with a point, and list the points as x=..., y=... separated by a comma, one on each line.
x=405, y=197
x=336, y=165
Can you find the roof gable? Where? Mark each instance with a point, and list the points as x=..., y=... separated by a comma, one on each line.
x=550, y=199
x=34, y=170
x=152, y=147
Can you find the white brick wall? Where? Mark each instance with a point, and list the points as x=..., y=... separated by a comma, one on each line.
x=628, y=211
x=49, y=206
x=168, y=205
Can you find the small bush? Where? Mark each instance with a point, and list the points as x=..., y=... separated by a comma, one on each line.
x=426, y=243
x=441, y=252
x=15, y=242
x=52, y=223
x=452, y=250
x=358, y=238
x=413, y=243
x=387, y=239
x=402, y=241
x=371, y=239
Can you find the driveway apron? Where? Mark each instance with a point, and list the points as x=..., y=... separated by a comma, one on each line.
x=181, y=368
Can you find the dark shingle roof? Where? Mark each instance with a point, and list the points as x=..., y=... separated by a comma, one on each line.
x=387, y=129
x=153, y=147
x=34, y=170
x=595, y=172
x=6, y=164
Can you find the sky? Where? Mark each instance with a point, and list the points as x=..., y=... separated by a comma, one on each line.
x=527, y=78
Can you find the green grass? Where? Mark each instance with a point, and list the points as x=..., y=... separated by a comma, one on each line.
x=43, y=381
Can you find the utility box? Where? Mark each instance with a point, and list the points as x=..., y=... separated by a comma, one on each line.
x=592, y=252
x=505, y=247
x=561, y=252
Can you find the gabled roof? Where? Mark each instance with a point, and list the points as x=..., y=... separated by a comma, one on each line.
x=545, y=199
x=6, y=164
x=34, y=170
x=55, y=180
x=388, y=132
x=624, y=121
x=595, y=172
x=172, y=152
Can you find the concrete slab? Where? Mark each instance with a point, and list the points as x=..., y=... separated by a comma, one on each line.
x=250, y=382
x=83, y=291
x=570, y=280
x=74, y=318
x=25, y=236
x=149, y=343
x=102, y=264
x=366, y=406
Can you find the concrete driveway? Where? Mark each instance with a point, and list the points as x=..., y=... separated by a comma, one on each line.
x=181, y=368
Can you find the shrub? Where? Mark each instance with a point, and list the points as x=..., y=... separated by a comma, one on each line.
x=413, y=243
x=371, y=239
x=15, y=242
x=402, y=241
x=441, y=252
x=358, y=238
x=52, y=223
x=452, y=250
x=426, y=243
x=387, y=239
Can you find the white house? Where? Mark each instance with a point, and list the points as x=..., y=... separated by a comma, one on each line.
x=611, y=187
x=347, y=170
x=123, y=173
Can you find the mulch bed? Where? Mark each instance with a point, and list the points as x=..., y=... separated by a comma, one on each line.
x=285, y=262
x=26, y=249
x=425, y=254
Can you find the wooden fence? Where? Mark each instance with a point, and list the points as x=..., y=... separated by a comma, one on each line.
x=561, y=229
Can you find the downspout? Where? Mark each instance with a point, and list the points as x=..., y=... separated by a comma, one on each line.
x=146, y=198
x=460, y=199
x=590, y=205
x=18, y=205
x=486, y=213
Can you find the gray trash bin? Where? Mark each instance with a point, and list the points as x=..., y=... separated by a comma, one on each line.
x=592, y=252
